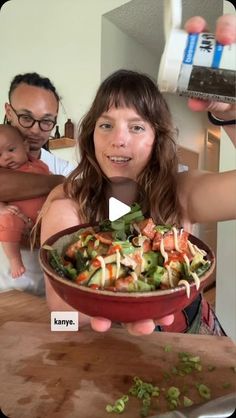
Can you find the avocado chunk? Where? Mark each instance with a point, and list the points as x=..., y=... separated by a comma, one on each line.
x=150, y=260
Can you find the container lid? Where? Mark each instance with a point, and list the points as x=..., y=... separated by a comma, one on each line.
x=172, y=15
x=171, y=61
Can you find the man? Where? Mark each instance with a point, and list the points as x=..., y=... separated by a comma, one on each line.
x=32, y=108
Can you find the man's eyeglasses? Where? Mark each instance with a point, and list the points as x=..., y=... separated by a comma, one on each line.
x=27, y=121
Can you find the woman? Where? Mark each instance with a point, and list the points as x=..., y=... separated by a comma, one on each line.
x=128, y=132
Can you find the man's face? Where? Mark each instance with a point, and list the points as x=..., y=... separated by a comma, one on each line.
x=35, y=102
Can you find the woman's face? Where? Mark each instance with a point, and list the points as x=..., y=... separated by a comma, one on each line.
x=123, y=142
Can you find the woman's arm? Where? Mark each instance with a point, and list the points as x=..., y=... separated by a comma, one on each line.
x=60, y=214
x=207, y=197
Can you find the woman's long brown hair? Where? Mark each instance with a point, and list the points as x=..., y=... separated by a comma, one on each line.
x=86, y=184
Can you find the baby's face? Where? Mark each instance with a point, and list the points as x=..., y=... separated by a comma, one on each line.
x=12, y=150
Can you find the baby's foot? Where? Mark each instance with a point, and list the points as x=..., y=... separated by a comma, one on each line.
x=17, y=268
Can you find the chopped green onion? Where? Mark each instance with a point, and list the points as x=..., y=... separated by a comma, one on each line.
x=168, y=348
x=119, y=405
x=204, y=391
x=187, y=401
x=173, y=392
x=211, y=368
x=163, y=228
x=226, y=385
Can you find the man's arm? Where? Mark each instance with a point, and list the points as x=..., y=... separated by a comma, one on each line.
x=15, y=185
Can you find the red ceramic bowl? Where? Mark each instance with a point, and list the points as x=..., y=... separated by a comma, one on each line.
x=121, y=307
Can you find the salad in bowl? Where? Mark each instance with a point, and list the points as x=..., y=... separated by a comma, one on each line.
x=128, y=259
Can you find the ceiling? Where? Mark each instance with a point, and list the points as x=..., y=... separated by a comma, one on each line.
x=143, y=19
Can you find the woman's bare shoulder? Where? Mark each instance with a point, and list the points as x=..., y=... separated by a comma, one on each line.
x=60, y=214
x=61, y=205
x=56, y=193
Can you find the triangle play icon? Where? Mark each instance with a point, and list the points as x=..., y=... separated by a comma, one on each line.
x=117, y=209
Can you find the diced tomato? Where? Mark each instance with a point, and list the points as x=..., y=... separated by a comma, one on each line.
x=147, y=228
x=104, y=237
x=89, y=231
x=112, y=249
x=147, y=246
x=81, y=277
x=66, y=263
x=123, y=283
x=111, y=288
x=94, y=286
x=169, y=243
x=73, y=248
x=110, y=270
x=96, y=263
x=137, y=257
x=174, y=256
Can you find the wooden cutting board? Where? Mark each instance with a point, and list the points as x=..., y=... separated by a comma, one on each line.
x=48, y=374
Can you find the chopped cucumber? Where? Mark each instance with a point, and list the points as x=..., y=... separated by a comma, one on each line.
x=96, y=278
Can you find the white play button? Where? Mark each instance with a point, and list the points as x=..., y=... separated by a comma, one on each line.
x=117, y=209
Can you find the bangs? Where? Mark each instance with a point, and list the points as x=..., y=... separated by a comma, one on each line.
x=125, y=94
x=121, y=99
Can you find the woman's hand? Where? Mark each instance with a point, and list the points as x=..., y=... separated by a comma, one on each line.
x=225, y=34
x=144, y=327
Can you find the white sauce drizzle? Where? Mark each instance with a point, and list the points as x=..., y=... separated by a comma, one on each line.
x=194, y=249
x=142, y=261
x=134, y=275
x=103, y=267
x=168, y=268
x=136, y=228
x=186, y=259
x=191, y=248
x=162, y=250
x=199, y=250
x=117, y=263
x=141, y=240
x=196, y=279
x=187, y=285
x=176, y=239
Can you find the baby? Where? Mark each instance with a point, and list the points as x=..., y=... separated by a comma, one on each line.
x=14, y=216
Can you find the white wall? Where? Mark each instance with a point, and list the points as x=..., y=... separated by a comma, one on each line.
x=60, y=39
x=121, y=51
x=191, y=125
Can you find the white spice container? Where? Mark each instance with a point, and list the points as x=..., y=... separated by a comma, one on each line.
x=195, y=65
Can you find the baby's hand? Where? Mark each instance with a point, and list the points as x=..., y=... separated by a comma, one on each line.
x=14, y=210
x=6, y=209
